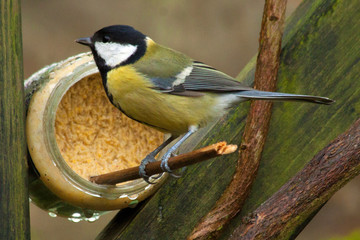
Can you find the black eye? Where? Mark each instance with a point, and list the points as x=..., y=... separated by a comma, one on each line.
x=106, y=39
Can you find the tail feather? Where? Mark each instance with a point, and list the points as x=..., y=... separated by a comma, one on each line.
x=262, y=95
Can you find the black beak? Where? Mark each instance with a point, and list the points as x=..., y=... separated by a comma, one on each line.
x=84, y=41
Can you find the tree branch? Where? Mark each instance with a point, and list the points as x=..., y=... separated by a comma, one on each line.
x=202, y=154
x=257, y=125
x=307, y=191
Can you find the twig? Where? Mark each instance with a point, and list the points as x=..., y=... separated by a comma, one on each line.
x=294, y=203
x=202, y=154
x=257, y=125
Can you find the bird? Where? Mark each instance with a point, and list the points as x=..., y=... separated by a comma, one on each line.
x=165, y=89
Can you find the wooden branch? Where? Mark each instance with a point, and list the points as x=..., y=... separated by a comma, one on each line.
x=14, y=197
x=215, y=150
x=307, y=191
x=256, y=128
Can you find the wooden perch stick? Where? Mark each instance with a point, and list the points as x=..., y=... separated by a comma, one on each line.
x=202, y=154
x=281, y=215
x=256, y=129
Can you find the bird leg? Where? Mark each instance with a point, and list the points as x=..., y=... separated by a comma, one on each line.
x=151, y=158
x=164, y=160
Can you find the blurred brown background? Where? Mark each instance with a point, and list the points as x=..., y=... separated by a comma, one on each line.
x=223, y=34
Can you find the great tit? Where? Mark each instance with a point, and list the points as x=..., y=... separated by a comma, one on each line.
x=166, y=89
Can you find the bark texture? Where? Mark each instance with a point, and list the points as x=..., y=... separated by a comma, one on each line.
x=14, y=198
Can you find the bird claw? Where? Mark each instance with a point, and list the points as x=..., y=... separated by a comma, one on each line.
x=175, y=175
x=165, y=167
x=157, y=176
x=142, y=173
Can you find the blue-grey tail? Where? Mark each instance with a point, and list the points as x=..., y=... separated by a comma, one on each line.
x=262, y=95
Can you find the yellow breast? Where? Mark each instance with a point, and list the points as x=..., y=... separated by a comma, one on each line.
x=133, y=93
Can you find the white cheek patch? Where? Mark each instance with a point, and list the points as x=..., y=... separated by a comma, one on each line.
x=114, y=53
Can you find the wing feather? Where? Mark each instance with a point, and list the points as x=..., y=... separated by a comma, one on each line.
x=207, y=79
x=201, y=78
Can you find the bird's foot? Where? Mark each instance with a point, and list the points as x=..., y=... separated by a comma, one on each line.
x=148, y=159
x=165, y=166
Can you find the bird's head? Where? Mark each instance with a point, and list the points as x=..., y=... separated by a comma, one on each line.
x=115, y=45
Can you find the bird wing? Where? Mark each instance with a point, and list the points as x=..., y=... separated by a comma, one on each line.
x=207, y=79
x=175, y=73
x=196, y=78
